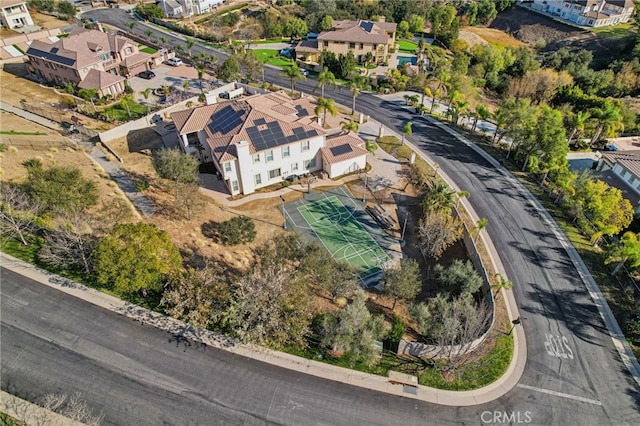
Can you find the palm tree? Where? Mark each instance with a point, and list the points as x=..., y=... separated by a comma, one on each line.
x=457, y=107
x=628, y=249
x=480, y=225
x=325, y=105
x=88, y=95
x=163, y=40
x=350, y=126
x=185, y=87
x=145, y=94
x=200, y=70
x=481, y=113
x=440, y=198
x=148, y=33
x=433, y=94
x=407, y=130
x=325, y=77
x=293, y=74
x=578, y=122
x=501, y=282
x=132, y=25
x=501, y=117
x=608, y=121
x=370, y=146
x=356, y=86
x=189, y=42
x=461, y=195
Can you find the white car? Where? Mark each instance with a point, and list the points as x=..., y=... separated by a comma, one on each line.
x=175, y=62
x=304, y=72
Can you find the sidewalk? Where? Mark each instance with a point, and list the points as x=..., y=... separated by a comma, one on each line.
x=281, y=359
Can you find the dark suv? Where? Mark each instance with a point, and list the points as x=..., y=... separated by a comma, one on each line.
x=147, y=75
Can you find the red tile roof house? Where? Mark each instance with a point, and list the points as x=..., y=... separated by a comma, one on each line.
x=260, y=140
x=89, y=58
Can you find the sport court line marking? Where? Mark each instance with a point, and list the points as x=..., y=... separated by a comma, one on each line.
x=330, y=200
x=560, y=394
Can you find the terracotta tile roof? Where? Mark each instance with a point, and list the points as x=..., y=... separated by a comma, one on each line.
x=630, y=160
x=357, y=32
x=136, y=59
x=97, y=79
x=342, y=147
x=81, y=49
x=227, y=123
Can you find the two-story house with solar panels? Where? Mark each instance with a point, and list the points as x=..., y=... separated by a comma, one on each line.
x=262, y=139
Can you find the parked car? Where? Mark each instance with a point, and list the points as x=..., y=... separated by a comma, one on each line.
x=175, y=62
x=304, y=72
x=147, y=75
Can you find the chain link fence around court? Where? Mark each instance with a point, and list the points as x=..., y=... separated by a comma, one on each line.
x=354, y=210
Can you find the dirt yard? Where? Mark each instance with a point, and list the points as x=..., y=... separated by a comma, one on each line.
x=52, y=149
x=47, y=22
x=533, y=28
x=480, y=35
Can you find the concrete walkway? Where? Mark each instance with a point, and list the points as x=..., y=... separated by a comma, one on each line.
x=95, y=154
x=281, y=359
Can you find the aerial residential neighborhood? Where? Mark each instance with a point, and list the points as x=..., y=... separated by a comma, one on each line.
x=319, y=212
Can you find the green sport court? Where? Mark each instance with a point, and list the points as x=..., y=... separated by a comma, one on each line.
x=339, y=228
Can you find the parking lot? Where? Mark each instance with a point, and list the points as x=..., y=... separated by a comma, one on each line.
x=173, y=77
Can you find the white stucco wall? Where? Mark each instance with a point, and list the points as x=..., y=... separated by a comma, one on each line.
x=344, y=167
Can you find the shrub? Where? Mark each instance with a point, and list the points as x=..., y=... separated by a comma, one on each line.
x=237, y=230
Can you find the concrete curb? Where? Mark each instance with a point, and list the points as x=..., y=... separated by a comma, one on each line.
x=613, y=328
x=30, y=413
x=284, y=360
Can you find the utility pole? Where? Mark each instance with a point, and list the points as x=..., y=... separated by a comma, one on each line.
x=284, y=220
x=364, y=192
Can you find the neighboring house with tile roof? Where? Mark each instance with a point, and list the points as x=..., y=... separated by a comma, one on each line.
x=260, y=140
x=88, y=55
x=360, y=37
x=587, y=13
x=14, y=14
x=621, y=169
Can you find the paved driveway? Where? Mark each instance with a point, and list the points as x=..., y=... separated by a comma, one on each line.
x=172, y=77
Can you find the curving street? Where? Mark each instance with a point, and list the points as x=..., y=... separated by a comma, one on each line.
x=137, y=375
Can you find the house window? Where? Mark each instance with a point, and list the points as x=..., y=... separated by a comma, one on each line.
x=294, y=167
x=309, y=164
x=34, y=60
x=325, y=43
x=285, y=151
x=227, y=167
x=127, y=51
x=256, y=158
x=352, y=45
x=257, y=179
x=590, y=21
x=268, y=156
x=274, y=173
x=361, y=46
x=305, y=146
x=234, y=185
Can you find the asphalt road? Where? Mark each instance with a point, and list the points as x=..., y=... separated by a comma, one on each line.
x=573, y=375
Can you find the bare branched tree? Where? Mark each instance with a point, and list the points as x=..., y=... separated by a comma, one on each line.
x=71, y=244
x=436, y=232
x=452, y=326
x=18, y=213
x=72, y=407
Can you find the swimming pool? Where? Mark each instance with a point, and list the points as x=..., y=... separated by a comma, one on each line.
x=411, y=59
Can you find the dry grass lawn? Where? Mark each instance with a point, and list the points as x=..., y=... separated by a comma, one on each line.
x=47, y=22
x=494, y=36
x=52, y=149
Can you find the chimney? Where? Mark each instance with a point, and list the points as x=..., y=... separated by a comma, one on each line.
x=382, y=18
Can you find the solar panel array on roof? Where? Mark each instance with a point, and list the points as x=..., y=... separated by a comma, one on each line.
x=226, y=119
x=341, y=149
x=51, y=56
x=302, y=112
x=273, y=135
x=260, y=121
x=367, y=26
